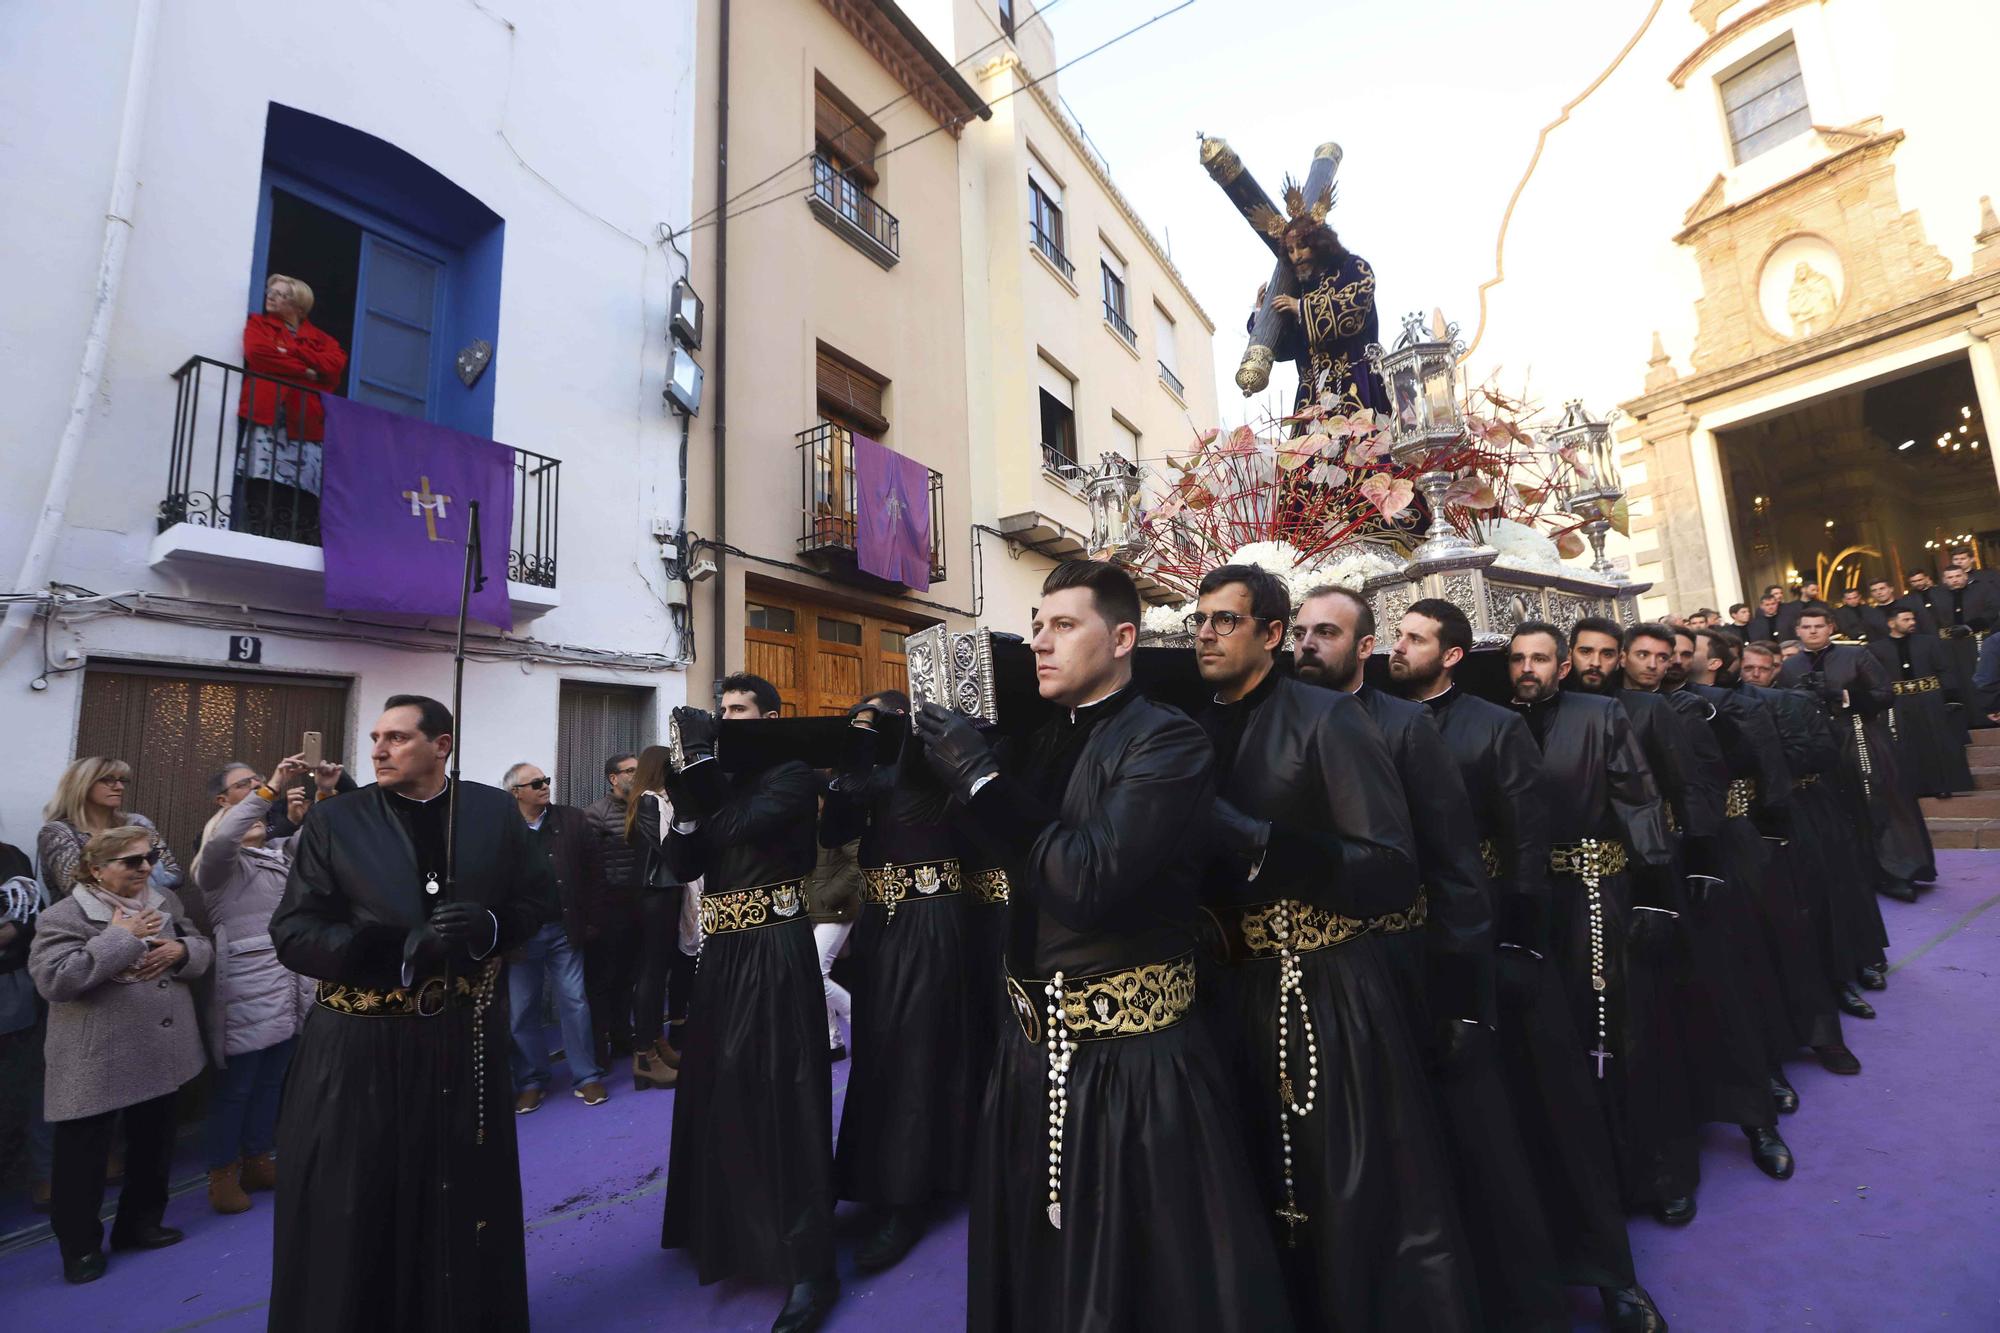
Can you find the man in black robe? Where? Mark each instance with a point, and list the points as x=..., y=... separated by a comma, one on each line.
x=1788, y=614
x=1848, y=620
x=1443, y=952
x=906, y=1123
x=1764, y=622
x=1966, y=612
x=750, y=1166
x=1859, y=692
x=1567, y=1150
x=1963, y=559
x=400, y=1202
x=1706, y=1024
x=1610, y=877
x=1929, y=740
x=1849, y=919
x=1883, y=601
x=1111, y=1188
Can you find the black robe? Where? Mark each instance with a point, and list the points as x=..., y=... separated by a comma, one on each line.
x=906, y=1124
x=1856, y=689
x=381, y=1112
x=1596, y=785
x=1930, y=741
x=1763, y=628
x=1328, y=339
x=1964, y=616
x=750, y=1167
x=1566, y=1149
x=1875, y=618
x=1100, y=818
x=1381, y=1246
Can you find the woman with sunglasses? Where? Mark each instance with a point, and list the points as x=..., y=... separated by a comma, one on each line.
x=114, y=959
x=89, y=799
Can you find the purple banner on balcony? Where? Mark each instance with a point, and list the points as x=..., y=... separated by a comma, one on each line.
x=393, y=513
x=892, y=510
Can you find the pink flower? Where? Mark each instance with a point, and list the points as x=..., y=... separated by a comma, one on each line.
x=1390, y=495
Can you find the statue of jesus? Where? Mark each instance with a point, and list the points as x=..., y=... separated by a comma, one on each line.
x=1332, y=318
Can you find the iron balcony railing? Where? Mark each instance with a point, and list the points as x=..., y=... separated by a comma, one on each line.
x=221, y=475
x=1052, y=251
x=1061, y=466
x=826, y=462
x=853, y=206
x=1116, y=319
x=1172, y=381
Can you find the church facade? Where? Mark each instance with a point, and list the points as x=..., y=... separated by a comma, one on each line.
x=1802, y=237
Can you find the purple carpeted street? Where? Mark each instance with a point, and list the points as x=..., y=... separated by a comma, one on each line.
x=1892, y=1222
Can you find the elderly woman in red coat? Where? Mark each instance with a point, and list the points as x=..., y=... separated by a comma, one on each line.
x=278, y=454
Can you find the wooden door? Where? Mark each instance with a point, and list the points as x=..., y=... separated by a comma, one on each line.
x=176, y=728
x=823, y=658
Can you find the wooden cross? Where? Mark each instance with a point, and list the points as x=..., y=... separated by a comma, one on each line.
x=431, y=506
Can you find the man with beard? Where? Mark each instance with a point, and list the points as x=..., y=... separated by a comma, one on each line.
x=1330, y=323
x=1110, y=1186
x=1859, y=692
x=906, y=1126
x=1882, y=602
x=1444, y=951
x=1568, y=1152
x=1851, y=936
x=1764, y=624
x=1758, y=749
x=399, y=1090
x=1929, y=741
x=1965, y=611
x=750, y=1164
x=1315, y=841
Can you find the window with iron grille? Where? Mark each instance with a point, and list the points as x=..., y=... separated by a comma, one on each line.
x=1115, y=312
x=1045, y=225
x=1765, y=103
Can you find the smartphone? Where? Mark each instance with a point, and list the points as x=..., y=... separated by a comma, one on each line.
x=312, y=746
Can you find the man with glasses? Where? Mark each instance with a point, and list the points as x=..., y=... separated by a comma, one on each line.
x=1316, y=846
x=561, y=833
x=611, y=953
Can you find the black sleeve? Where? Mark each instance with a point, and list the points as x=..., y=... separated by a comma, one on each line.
x=1871, y=691
x=780, y=798
x=1363, y=863
x=1634, y=796
x=1458, y=924
x=1523, y=837
x=313, y=930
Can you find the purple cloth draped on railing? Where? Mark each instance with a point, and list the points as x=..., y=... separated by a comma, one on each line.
x=393, y=513
x=892, y=509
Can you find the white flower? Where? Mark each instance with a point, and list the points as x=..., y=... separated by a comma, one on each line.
x=1280, y=558
x=1354, y=565
x=1521, y=547
x=1164, y=619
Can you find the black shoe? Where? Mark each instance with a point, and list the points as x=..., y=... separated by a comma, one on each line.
x=1852, y=1003
x=1675, y=1212
x=1769, y=1152
x=152, y=1236
x=901, y=1228
x=806, y=1308
x=84, y=1268
x=1875, y=976
x=1631, y=1310
x=1837, y=1059
x=1900, y=889
x=1782, y=1093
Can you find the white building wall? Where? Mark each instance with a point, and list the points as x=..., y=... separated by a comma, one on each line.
x=575, y=126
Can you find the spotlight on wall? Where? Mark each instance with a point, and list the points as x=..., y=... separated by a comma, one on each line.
x=685, y=318
x=684, y=378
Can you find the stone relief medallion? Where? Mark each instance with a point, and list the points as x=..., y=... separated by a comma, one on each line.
x=1801, y=287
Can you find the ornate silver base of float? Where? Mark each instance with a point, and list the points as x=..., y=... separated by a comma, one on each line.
x=1497, y=598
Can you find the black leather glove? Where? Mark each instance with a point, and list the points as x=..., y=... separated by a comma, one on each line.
x=1650, y=934
x=1699, y=887
x=1239, y=834
x=955, y=750
x=861, y=749
x=1518, y=972
x=466, y=926
x=697, y=732
x=1455, y=1042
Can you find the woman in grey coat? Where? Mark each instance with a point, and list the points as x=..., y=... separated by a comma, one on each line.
x=114, y=959
x=258, y=1005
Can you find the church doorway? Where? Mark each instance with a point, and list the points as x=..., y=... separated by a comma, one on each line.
x=1882, y=479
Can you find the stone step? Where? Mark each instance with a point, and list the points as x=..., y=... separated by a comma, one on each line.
x=1974, y=805
x=1985, y=779
x=1963, y=834
x=1985, y=737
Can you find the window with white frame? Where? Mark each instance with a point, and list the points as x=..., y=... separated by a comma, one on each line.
x=1764, y=102
x=1057, y=393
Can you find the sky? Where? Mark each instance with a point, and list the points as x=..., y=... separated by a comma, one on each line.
x=1437, y=108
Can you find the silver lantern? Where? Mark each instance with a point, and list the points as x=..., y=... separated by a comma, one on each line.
x=1594, y=495
x=1426, y=424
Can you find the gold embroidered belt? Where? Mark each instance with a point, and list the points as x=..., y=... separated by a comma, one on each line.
x=893, y=884
x=425, y=999
x=1396, y=923
x=989, y=886
x=1673, y=824
x=1269, y=930
x=1128, y=1003
x=748, y=909
x=1489, y=856
x=1805, y=781
x=1589, y=859
x=1921, y=685
x=1742, y=791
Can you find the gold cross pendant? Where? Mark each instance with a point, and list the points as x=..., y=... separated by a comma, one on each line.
x=1291, y=1215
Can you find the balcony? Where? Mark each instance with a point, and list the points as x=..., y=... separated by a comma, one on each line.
x=213, y=515
x=1063, y=469
x=830, y=530
x=1052, y=251
x=847, y=209
x=1116, y=319
x=1172, y=381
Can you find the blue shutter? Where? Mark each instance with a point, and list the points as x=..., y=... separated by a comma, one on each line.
x=396, y=311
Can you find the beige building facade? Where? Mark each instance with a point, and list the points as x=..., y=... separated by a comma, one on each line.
x=1801, y=234
x=831, y=263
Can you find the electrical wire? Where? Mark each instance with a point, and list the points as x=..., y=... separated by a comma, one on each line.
x=711, y=220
